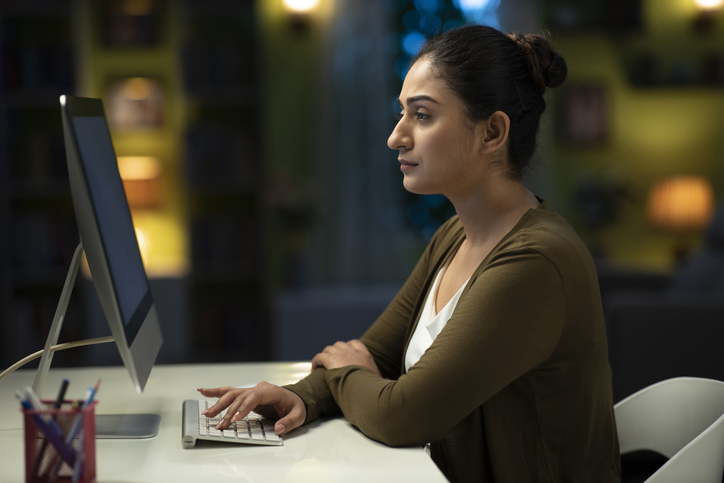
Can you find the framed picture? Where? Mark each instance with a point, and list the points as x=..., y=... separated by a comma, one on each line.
x=134, y=103
x=584, y=116
x=131, y=23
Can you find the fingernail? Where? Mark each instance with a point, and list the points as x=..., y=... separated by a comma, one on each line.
x=279, y=428
x=235, y=417
x=204, y=412
x=218, y=426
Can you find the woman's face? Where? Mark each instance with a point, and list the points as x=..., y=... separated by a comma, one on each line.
x=435, y=140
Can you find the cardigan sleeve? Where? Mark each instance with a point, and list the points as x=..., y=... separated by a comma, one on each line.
x=507, y=322
x=385, y=339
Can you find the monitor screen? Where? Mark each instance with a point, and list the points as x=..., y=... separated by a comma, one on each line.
x=114, y=221
x=108, y=236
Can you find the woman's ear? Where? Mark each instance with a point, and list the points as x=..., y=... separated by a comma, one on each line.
x=495, y=131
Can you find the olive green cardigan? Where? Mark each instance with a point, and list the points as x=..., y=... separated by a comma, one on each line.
x=517, y=386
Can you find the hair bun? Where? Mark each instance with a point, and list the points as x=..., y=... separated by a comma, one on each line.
x=556, y=72
x=547, y=67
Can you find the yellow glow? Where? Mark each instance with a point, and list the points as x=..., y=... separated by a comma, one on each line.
x=137, y=88
x=139, y=167
x=709, y=4
x=137, y=7
x=144, y=243
x=681, y=204
x=301, y=6
x=167, y=255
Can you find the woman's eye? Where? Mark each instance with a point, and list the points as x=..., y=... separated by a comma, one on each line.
x=420, y=116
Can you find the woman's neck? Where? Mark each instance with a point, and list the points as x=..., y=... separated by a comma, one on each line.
x=489, y=213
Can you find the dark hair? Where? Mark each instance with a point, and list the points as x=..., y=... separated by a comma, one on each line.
x=490, y=71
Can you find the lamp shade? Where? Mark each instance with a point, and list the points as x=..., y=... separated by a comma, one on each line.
x=680, y=204
x=141, y=177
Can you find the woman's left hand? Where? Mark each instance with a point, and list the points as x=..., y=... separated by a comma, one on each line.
x=352, y=353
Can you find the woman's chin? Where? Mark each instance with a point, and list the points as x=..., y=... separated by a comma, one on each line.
x=416, y=188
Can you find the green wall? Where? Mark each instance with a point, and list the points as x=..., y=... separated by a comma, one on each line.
x=653, y=131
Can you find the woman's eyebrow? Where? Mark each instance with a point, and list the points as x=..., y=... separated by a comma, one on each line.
x=414, y=99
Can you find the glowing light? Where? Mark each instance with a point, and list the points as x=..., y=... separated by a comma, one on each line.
x=709, y=4
x=479, y=11
x=137, y=7
x=412, y=42
x=681, y=204
x=473, y=4
x=139, y=167
x=301, y=6
x=137, y=88
x=144, y=243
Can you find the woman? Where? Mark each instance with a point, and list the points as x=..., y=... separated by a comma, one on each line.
x=494, y=351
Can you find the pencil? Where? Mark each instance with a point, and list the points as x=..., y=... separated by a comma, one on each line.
x=44, y=448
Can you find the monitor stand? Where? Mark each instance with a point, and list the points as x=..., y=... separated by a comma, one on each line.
x=127, y=426
x=108, y=426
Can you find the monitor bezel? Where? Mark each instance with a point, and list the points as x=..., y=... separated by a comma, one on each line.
x=139, y=346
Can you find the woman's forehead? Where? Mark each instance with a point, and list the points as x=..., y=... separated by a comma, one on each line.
x=420, y=82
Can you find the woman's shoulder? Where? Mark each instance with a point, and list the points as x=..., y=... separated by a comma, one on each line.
x=545, y=231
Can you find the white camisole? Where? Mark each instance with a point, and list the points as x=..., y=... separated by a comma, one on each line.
x=430, y=323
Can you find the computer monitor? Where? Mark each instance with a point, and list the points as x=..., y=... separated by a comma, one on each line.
x=114, y=259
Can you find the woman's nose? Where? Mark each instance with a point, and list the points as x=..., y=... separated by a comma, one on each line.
x=399, y=139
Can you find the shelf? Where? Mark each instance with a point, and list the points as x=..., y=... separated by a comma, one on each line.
x=34, y=99
x=237, y=98
x=29, y=189
x=40, y=278
x=224, y=276
x=218, y=7
x=37, y=8
x=211, y=189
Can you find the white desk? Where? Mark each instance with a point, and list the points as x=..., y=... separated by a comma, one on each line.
x=329, y=450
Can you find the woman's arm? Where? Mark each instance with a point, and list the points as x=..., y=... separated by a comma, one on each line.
x=384, y=341
x=507, y=323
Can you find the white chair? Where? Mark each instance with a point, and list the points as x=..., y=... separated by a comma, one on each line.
x=681, y=418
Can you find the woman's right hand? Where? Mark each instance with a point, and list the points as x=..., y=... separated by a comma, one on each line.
x=269, y=400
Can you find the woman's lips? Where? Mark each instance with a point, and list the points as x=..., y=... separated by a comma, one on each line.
x=406, y=165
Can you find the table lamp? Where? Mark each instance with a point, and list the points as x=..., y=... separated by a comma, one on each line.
x=682, y=205
x=141, y=177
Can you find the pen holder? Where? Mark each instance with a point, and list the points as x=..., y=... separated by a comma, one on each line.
x=60, y=444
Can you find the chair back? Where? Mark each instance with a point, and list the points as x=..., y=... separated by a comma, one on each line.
x=681, y=418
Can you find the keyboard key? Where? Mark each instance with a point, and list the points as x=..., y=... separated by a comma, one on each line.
x=256, y=431
x=253, y=429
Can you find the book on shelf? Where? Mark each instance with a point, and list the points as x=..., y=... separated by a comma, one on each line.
x=223, y=244
x=230, y=324
x=220, y=154
x=37, y=68
x=43, y=242
x=219, y=71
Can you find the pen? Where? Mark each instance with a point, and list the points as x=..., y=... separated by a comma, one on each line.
x=77, y=467
x=36, y=404
x=50, y=434
x=44, y=448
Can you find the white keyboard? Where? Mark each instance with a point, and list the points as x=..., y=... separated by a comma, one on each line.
x=253, y=429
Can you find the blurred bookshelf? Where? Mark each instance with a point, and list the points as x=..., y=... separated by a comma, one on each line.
x=201, y=55
x=224, y=179
x=37, y=65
